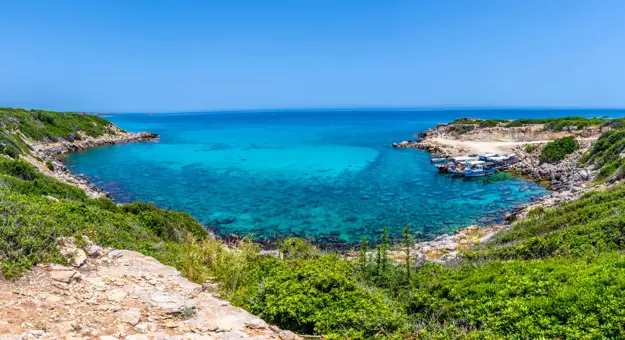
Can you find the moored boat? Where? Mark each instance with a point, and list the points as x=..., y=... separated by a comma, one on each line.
x=480, y=169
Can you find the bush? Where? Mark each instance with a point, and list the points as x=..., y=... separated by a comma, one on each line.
x=49, y=165
x=320, y=296
x=293, y=248
x=555, y=151
x=529, y=148
x=559, y=124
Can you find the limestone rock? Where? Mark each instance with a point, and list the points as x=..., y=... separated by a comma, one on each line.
x=129, y=316
x=287, y=335
x=68, y=248
x=64, y=276
x=115, y=300
x=171, y=303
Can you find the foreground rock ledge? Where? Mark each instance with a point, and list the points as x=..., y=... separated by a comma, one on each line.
x=120, y=294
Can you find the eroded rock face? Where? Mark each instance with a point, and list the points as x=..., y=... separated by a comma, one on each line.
x=119, y=294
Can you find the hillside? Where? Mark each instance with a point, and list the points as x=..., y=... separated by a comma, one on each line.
x=558, y=274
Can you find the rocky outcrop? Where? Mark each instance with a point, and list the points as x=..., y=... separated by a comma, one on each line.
x=117, y=136
x=567, y=173
x=445, y=248
x=529, y=133
x=120, y=294
x=552, y=200
x=433, y=147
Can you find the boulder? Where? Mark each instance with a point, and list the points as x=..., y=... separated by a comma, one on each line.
x=171, y=304
x=63, y=276
x=76, y=256
x=132, y=316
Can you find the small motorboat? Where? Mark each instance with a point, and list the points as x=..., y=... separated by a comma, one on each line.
x=478, y=170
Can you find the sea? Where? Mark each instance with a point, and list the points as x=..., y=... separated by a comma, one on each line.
x=327, y=175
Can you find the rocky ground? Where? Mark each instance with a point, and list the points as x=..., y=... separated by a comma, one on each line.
x=566, y=173
x=446, y=248
x=49, y=152
x=118, y=294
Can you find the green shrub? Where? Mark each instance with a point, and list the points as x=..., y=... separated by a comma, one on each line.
x=293, y=248
x=529, y=148
x=462, y=129
x=49, y=165
x=556, y=150
x=559, y=124
x=320, y=296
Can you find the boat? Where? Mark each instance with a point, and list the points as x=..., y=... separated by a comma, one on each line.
x=479, y=169
x=502, y=161
x=474, y=165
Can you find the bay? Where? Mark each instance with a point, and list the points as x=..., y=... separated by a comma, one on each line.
x=330, y=175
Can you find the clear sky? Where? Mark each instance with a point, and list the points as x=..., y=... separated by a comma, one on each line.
x=137, y=56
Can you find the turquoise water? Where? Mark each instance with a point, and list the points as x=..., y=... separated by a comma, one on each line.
x=328, y=175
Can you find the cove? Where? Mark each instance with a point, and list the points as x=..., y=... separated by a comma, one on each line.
x=329, y=175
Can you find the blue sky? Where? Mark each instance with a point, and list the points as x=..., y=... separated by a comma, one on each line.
x=137, y=56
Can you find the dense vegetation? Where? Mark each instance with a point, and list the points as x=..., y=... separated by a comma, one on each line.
x=556, y=150
x=559, y=124
x=606, y=154
x=550, y=124
x=42, y=125
x=560, y=274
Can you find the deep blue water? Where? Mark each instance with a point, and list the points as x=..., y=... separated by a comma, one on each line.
x=329, y=175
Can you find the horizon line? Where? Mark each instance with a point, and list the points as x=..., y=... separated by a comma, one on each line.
x=432, y=108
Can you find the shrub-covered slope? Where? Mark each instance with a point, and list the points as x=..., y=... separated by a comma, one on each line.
x=550, y=124
x=40, y=125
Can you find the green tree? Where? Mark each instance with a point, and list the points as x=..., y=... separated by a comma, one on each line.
x=407, y=245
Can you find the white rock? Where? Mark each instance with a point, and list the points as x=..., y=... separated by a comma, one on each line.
x=287, y=335
x=131, y=316
x=142, y=327
x=115, y=254
x=256, y=323
x=64, y=276
x=53, y=298
x=36, y=333
x=116, y=295
x=171, y=303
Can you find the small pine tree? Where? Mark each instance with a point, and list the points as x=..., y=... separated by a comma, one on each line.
x=385, y=247
x=407, y=245
x=364, y=248
x=382, y=249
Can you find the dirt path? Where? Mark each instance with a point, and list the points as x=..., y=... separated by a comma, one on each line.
x=489, y=147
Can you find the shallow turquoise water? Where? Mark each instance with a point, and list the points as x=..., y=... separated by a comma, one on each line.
x=328, y=175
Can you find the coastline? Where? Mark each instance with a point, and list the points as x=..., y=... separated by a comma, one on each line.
x=443, y=248
x=567, y=180
x=43, y=152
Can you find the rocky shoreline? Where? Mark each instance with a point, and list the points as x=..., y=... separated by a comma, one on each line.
x=568, y=179
x=51, y=152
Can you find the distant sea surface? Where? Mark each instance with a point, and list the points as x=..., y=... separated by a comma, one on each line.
x=330, y=175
